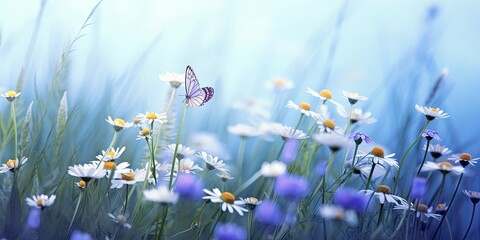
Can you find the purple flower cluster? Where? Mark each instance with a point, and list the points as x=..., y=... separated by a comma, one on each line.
x=230, y=231
x=291, y=187
x=419, y=187
x=290, y=150
x=189, y=187
x=350, y=199
x=359, y=137
x=268, y=213
x=431, y=134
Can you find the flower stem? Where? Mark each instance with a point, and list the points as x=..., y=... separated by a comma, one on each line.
x=449, y=206
x=424, y=157
x=355, y=154
x=176, y=147
x=370, y=176
x=215, y=224
x=75, y=212
x=164, y=218
x=248, y=182
x=405, y=155
x=241, y=151
x=380, y=215
x=249, y=225
x=167, y=110
x=440, y=189
x=15, y=130
x=126, y=200
x=471, y=221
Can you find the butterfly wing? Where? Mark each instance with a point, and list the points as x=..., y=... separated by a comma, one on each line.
x=194, y=95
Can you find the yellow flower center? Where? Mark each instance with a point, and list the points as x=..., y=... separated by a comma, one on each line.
x=434, y=109
x=279, y=83
x=383, y=189
x=465, y=156
x=441, y=206
x=11, y=163
x=326, y=94
x=110, y=153
x=227, y=197
x=145, y=132
x=109, y=165
x=378, y=152
x=329, y=124
x=421, y=207
x=136, y=120
x=82, y=183
x=185, y=167
x=252, y=199
x=151, y=116
x=128, y=176
x=119, y=121
x=445, y=165
x=40, y=202
x=11, y=94
x=304, y=106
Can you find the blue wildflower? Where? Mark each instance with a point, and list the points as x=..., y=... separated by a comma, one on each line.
x=79, y=235
x=350, y=199
x=431, y=134
x=321, y=168
x=189, y=187
x=291, y=187
x=419, y=187
x=359, y=137
x=230, y=231
x=33, y=220
x=268, y=213
x=290, y=150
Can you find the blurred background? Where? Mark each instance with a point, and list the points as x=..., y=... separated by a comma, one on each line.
x=391, y=51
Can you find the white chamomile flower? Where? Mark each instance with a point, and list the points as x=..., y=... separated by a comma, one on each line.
x=437, y=150
x=244, y=130
x=377, y=156
x=273, y=169
x=251, y=202
x=87, y=172
x=353, y=97
x=334, y=141
x=304, y=108
x=120, y=219
x=421, y=209
x=12, y=165
x=162, y=171
x=279, y=84
x=110, y=154
x=325, y=96
x=182, y=150
x=357, y=116
x=118, y=123
x=40, y=201
x=161, y=195
x=383, y=193
x=10, y=95
x=224, y=176
x=188, y=166
x=287, y=132
x=227, y=200
x=464, y=159
x=111, y=165
x=443, y=167
x=338, y=213
x=431, y=113
x=174, y=79
x=128, y=178
x=212, y=162
x=151, y=117
x=145, y=134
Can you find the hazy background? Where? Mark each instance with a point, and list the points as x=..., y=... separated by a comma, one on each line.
x=392, y=51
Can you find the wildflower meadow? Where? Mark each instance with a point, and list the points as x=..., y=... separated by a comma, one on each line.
x=131, y=120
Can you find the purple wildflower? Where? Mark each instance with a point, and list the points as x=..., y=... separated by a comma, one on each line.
x=79, y=235
x=321, y=168
x=350, y=199
x=419, y=187
x=189, y=187
x=230, y=231
x=290, y=150
x=268, y=213
x=33, y=220
x=291, y=187
x=359, y=137
x=431, y=134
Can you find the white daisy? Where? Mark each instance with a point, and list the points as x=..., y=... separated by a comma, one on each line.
x=162, y=171
x=422, y=210
x=353, y=97
x=244, y=130
x=227, y=199
x=212, y=162
x=304, y=108
x=10, y=95
x=120, y=219
x=324, y=95
x=109, y=166
x=333, y=212
x=40, y=201
x=443, y=167
x=328, y=126
x=87, y=172
x=224, y=176
x=334, y=141
x=383, y=193
x=118, y=123
x=251, y=202
x=128, y=178
x=273, y=169
x=151, y=117
x=174, y=79
x=377, y=156
x=437, y=150
x=145, y=134
x=474, y=196
x=12, y=165
x=279, y=84
x=364, y=168
x=188, y=166
x=464, y=159
x=161, y=195
x=431, y=113
x=357, y=116
x=182, y=150
x=110, y=154
x=287, y=132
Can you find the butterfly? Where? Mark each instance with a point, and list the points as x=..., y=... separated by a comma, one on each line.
x=194, y=95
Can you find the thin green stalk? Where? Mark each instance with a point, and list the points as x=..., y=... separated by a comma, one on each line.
x=449, y=206
x=126, y=199
x=153, y=167
x=439, y=189
x=251, y=180
x=355, y=154
x=405, y=155
x=215, y=224
x=176, y=147
x=15, y=130
x=367, y=185
x=380, y=215
x=471, y=221
x=349, y=122
x=241, y=152
x=424, y=157
x=75, y=212
x=164, y=218
x=249, y=225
